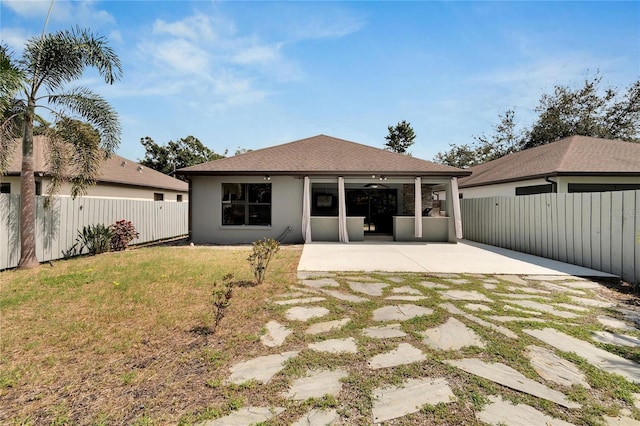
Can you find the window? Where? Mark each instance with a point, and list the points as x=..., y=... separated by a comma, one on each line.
x=246, y=204
x=5, y=188
x=602, y=187
x=179, y=198
x=534, y=189
x=38, y=188
x=158, y=196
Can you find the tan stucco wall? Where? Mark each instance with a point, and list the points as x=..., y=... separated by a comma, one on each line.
x=206, y=213
x=103, y=190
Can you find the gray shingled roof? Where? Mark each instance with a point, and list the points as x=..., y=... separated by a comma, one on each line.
x=575, y=155
x=322, y=155
x=117, y=170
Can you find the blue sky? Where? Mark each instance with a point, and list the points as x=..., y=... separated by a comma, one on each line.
x=256, y=74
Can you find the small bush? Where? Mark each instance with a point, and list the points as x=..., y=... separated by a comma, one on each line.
x=221, y=299
x=263, y=251
x=95, y=238
x=123, y=233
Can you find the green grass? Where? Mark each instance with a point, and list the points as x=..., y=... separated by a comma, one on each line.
x=89, y=337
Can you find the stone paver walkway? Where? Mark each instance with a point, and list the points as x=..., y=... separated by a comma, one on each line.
x=432, y=331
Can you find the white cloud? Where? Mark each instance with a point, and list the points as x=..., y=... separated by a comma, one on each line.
x=180, y=56
x=15, y=38
x=258, y=54
x=82, y=12
x=29, y=8
x=197, y=28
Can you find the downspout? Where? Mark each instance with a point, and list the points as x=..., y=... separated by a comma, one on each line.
x=554, y=184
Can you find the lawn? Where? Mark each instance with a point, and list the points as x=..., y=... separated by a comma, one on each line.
x=124, y=338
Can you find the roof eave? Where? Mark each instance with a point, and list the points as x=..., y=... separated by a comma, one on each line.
x=461, y=173
x=550, y=174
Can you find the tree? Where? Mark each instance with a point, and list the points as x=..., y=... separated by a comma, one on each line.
x=400, y=138
x=49, y=63
x=586, y=111
x=504, y=140
x=175, y=155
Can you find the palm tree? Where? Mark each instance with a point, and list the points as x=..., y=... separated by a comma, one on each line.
x=49, y=63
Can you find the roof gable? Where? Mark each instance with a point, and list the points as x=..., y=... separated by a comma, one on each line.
x=579, y=155
x=116, y=169
x=322, y=155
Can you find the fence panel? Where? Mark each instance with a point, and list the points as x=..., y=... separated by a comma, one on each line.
x=57, y=227
x=599, y=230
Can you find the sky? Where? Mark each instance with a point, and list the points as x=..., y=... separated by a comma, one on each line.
x=250, y=75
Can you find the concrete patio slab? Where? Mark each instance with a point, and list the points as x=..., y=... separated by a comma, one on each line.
x=370, y=289
x=554, y=368
x=396, y=401
x=246, y=416
x=318, y=418
x=614, y=323
x=432, y=257
x=260, y=369
x=616, y=339
x=323, y=327
x=316, y=384
x=384, y=332
x=336, y=346
x=451, y=335
x=595, y=356
x=500, y=329
x=302, y=313
x=507, y=376
x=500, y=412
x=403, y=354
x=344, y=296
x=400, y=312
x=300, y=301
x=477, y=307
x=464, y=295
x=275, y=335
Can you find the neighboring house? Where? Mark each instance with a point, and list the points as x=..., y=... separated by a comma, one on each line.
x=573, y=164
x=320, y=189
x=119, y=178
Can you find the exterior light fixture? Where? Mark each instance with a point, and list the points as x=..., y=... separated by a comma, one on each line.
x=267, y=177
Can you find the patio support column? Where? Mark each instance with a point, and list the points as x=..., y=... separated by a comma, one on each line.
x=343, y=234
x=306, y=211
x=457, y=217
x=418, y=207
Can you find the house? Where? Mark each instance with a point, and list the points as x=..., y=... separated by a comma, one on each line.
x=321, y=189
x=119, y=178
x=573, y=164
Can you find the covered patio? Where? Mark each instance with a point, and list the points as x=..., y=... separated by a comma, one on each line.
x=464, y=257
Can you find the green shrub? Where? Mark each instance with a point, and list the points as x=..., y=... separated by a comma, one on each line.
x=95, y=238
x=263, y=251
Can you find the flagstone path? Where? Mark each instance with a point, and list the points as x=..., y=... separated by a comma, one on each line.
x=420, y=339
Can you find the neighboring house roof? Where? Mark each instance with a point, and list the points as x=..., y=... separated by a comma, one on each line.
x=114, y=170
x=322, y=155
x=575, y=156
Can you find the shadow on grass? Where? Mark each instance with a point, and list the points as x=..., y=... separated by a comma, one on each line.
x=245, y=283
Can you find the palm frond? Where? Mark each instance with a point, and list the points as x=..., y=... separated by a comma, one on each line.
x=56, y=59
x=96, y=111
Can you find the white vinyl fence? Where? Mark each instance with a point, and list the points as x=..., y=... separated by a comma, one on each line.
x=597, y=230
x=58, y=226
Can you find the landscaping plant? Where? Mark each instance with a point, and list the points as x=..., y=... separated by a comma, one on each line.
x=221, y=299
x=263, y=251
x=95, y=238
x=123, y=233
